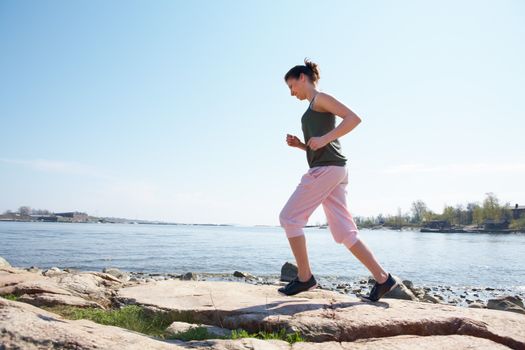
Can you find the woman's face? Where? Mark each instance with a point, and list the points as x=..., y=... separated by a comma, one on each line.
x=297, y=87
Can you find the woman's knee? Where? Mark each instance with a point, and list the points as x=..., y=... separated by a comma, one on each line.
x=293, y=225
x=347, y=238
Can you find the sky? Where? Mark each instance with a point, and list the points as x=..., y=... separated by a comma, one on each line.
x=178, y=111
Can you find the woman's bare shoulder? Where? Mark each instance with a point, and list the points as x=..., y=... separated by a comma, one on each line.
x=322, y=99
x=327, y=103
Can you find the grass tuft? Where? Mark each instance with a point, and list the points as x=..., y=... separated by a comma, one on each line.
x=139, y=319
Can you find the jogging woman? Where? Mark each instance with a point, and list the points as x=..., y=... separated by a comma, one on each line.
x=324, y=183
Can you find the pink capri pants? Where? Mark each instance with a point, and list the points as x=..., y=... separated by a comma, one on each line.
x=324, y=185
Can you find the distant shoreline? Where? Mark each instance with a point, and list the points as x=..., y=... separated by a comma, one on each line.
x=374, y=227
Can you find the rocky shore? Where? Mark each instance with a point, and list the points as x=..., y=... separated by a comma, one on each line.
x=330, y=316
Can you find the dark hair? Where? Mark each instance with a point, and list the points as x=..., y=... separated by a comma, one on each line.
x=309, y=68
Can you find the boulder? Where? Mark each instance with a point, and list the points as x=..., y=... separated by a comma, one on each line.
x=506, y=303
x=408, y=284
x=400, y=292
x=95, y=288
x=49, y=299
x=288, y=272
x=10, y=277
x=181, y=327
x=188, y=276
x=477, y=305
x=243, y=275
x=53, y=272
x=123, y=276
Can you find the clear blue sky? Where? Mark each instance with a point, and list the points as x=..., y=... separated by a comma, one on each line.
x=177, y=110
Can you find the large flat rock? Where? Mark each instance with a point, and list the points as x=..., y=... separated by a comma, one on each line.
x=321, y=315
x=88, y=288
x=23, y=326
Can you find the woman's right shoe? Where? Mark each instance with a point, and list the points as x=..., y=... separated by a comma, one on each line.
x=380, y=289
x=295, y=286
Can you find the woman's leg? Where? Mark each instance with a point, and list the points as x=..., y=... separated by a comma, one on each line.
x=365, y=255
x=314, y=187
x=344, y=230
x=298, y=245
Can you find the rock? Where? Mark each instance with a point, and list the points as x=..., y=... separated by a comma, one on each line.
x=89, y=284
x=439, y=297
x=34, y=269
x=398, y=324
x=188, y=276
x=430, y=298
x=324, y=316
x=123, y=276
x=10, y=277
x=505, y=303
x=94, y=287
x=288, y=272
x=243, y=275
x=180, y=327
x=4, y=263
x=408, y=284
x=38, y=287
x=53, y=272
x=515, y=299
x=71, y=270
x=418, y=292
x=477, y=305
x=48, y=299
x=24, y=326
x=400, y=292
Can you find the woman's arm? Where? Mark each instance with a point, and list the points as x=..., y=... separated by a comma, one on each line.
x=330, y=104
x=294, y=141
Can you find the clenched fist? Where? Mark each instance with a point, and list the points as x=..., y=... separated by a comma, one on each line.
x=293, y=141
x=317, y=142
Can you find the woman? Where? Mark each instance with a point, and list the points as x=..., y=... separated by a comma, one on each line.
x=324, y=183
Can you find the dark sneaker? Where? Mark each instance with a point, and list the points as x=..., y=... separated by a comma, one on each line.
x=296, y=286
x=380, y=289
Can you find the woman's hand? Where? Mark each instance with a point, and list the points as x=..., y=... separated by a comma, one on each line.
x=317, y=142
x=293, y=141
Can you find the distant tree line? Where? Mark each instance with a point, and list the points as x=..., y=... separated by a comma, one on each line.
x=26, y=210
x=472, y=213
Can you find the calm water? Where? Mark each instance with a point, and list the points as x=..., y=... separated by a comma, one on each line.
x=495, y=260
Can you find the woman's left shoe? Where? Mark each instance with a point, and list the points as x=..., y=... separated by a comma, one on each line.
x=296, y=286
x=380, y=289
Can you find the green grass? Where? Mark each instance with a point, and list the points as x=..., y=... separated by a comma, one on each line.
x=136, y=318
x=197, y=333
x=132, y=317
x=201, y=333
x=281, y=335
x=10, y=297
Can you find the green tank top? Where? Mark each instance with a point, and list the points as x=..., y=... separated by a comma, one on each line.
x=316, y=123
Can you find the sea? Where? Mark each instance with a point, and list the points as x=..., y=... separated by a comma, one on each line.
x=453, y=259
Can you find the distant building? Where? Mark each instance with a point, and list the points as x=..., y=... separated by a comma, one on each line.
x=47, y=218
x=437, y=224
x=73, y=216
x=495, y=224
x=518, y=211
